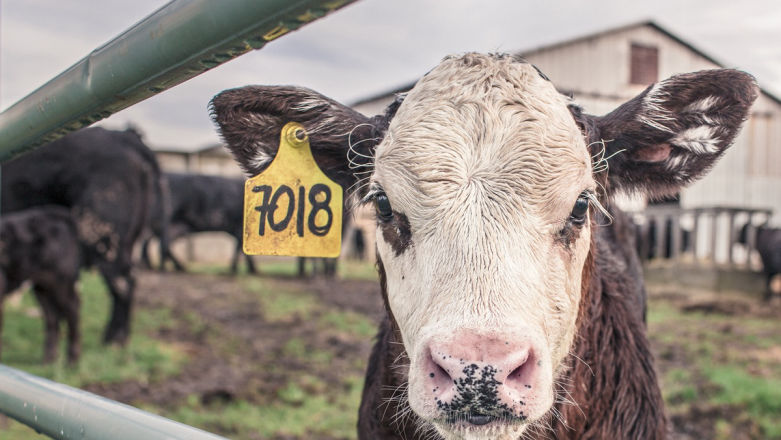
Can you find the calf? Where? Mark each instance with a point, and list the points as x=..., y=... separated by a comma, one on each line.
x=108, y=179
x=768, y=243
x=202, y=203
x=513, y=294
x=41, y=245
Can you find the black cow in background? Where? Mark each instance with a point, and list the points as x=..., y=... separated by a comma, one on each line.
x=41, y=245
x=768, y=245
x=108, y=179
x=203, y=203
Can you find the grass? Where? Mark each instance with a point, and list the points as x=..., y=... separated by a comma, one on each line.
x=760, y=397
x=721, y=364
x=348, y=323
x=726, y=364
x=302, y=407
x=279, y=304
x=295, y=413
x=305, y=406
x=144, y=359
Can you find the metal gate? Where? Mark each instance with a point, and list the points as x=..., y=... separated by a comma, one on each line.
x=177, y=42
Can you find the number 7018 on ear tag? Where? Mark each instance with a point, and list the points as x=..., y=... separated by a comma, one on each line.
x=292, y=207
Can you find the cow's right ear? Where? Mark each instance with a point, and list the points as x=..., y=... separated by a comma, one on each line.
x=672, y=133
x=251, y=118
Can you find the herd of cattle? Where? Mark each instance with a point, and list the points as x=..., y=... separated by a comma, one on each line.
x=86, y=200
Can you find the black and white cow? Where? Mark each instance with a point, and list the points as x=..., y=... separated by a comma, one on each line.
x=514, y=305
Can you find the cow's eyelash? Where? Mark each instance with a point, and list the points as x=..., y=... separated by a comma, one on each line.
x=373, y=192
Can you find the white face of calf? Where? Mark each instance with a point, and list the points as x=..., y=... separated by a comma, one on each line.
x=482, y=179
x=481, y=186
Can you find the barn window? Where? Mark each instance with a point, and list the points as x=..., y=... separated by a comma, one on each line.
x=644, y=64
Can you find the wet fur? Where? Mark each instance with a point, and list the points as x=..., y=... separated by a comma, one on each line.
x=592, y=404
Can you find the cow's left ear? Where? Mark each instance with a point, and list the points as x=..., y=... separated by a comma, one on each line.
x=250, y=120
x=673, y=132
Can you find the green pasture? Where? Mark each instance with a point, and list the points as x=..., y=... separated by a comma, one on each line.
x=723, y=364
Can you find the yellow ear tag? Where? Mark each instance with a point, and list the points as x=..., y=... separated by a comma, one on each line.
x=293, y=208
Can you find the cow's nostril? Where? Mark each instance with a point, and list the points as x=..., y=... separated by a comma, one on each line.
x=517, y=373
x=437, y=372
x=523, y=372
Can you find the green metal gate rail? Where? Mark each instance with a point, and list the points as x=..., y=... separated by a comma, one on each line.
x=63, y=412
x=177, y=42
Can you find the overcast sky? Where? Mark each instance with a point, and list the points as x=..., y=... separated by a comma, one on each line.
x=368, y=47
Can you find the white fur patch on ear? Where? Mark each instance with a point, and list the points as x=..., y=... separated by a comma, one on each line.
x=698, y=140
x=261, y=158
x=654, y=114
x=677, y=164
x=702, y=105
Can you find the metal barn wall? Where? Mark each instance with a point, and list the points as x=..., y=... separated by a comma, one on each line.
x=596, y=71
x=211, y=161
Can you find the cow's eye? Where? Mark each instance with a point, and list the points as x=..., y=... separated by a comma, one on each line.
x=383, y=207
x=579, y=211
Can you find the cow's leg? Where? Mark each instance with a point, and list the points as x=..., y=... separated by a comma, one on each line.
x=235, y=259
x=250, y=264
x=174, y=232
x=301, y=266
x=2, y=297
x=51, y=322
x=71, y=308
x=145, y=261
x=329, y=267
x=178, y=266
x=121, y=285
x=769, y=287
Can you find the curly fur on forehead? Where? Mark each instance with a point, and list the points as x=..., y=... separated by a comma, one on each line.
x=484, y=127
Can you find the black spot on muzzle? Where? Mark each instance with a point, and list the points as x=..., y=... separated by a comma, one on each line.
x=477, y=398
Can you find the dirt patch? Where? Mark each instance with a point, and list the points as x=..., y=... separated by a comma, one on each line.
x=701, y=422
x=235, y=352
x=362, y=297
x=724, y=307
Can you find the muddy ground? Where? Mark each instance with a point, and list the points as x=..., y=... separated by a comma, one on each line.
x=220, y=310
x=236, y=354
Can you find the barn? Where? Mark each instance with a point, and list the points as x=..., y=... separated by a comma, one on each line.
x=604, y=69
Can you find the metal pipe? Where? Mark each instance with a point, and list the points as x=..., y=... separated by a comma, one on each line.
x=64, y=412
x=175, y=43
